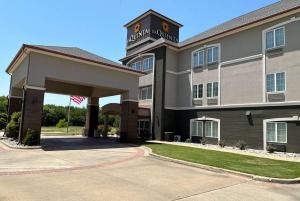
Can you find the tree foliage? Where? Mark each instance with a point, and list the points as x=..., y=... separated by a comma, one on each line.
x=52, y=114
x=3, y=104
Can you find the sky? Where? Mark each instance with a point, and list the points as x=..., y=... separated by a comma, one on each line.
x=97, y=26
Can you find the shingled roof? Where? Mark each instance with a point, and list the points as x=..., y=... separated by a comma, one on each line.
x=76, y=53
x=260, y=14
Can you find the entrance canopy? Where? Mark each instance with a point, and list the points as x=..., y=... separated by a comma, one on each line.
x=70, y=71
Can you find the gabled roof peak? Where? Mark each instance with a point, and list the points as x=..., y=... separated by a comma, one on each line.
x=153, y=12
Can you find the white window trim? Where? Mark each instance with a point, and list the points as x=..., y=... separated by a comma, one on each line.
x=145, y=88
x=276, y=133
x=197, y=91
x=212, y=49
x=141, y=59
x=191, y=125
x=211, y=130
x=291, y=20
x=207, y=119
x=212, y=90
x=148, y=60
x=219, y=73
x=274, y=38
x=198, y=56
x=284, y=119
x=275, y=83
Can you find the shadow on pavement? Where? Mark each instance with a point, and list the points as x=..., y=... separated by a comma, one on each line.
x=79, y=143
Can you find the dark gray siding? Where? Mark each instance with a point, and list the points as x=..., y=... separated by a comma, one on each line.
x=159, y=91
x=235, y=125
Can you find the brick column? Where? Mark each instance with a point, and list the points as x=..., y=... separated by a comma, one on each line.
x=129, y=117
x=32, y=111
x=14, y=104
x=91, y=122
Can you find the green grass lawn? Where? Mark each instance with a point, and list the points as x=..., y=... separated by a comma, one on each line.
x=230, y=161
x=52, y=130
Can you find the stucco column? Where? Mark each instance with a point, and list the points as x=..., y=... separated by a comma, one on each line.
x=129, y=117
x=91, y=116
x=32, y=110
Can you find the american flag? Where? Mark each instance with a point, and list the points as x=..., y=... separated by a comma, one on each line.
x=77, y=99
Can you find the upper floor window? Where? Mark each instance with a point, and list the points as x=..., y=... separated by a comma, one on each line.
x=144, y=65
x=276, y=82
x=212, y=89
x=198, y=58
x=137, y=65
x=148, y=64
x=277, y=132
x=212, y=55
x=197, y=91
x=145, y=93
x=275, y=38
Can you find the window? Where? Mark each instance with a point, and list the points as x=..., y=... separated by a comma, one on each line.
x=275, y=38
x=143, y=127
x=197, y=128
x=212, y=55
x=137, y=65
x=197, y=91
x=275, y=82
x=277, y=132
x=212, y=89
x=211, y=129
x=198, y=58
x=148, y=64
x=145, y=93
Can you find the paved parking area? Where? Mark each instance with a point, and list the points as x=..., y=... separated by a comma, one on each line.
x=85, y=169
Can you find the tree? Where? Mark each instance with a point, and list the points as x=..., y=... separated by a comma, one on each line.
x=3, y=104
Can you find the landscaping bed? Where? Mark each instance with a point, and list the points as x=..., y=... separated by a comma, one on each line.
x=231, y=161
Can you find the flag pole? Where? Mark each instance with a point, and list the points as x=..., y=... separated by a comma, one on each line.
x=68, y=116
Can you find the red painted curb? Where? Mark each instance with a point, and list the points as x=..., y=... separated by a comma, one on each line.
x=139, y=153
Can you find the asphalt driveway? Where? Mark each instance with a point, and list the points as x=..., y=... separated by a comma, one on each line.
x=76, y=168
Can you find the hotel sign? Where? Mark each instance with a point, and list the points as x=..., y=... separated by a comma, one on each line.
x=158, y=32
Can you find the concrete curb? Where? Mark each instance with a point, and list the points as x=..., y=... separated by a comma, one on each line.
x=18, y=147
x=221, y=170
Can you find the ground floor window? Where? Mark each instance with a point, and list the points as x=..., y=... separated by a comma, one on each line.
x=277, y=132
x=143, y=127
x=204, y=128
x=211, y=129
x=197, y=128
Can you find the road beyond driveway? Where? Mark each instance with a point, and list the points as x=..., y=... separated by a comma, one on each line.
x=76, y=168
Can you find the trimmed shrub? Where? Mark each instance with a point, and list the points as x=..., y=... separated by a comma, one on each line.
x=242, y=145
x=32, y=138
x=222, y=143
x=62, y=124
x=12, y=128
x=271, y=148
x=203, y=141
x=188, y=140
x=16, y=117
x=3, y=123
